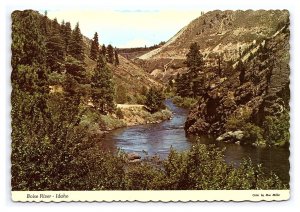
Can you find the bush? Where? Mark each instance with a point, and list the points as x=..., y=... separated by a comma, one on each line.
x=252, y=132
x=154, y=100
x=119, y=113
x=108, y=122
x=185, y=102
x=277, y=129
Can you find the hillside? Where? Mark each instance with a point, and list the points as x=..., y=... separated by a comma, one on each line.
x=126, y=75
x=258, y=102
x=225, y=33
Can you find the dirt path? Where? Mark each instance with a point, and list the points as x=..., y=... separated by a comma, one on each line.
x=129, y=106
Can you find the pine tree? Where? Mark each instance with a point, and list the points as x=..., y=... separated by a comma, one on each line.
x=76, y=44
x=194, y=60
x=67, y=36
x=116, y=58
x=110, y=54
x=191, y=83
x=103, y=51
x=94, y=47
x=154, y=100
x=102, y=87
x=55, y=48
x=28, y=42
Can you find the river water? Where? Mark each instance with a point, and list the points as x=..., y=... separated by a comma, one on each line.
x=156, y=139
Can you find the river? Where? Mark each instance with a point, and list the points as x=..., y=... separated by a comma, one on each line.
x=156, y=139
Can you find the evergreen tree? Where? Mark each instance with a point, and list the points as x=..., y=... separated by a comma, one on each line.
x=102, y=87
x=28, y=42
x=94, y=47
x=76, y=44
x=67, y=36
x=194, y=60
x=103, y=51
x=116, y=58
x=241, y=68
x=110, y=54
x=183, y=85
x=154, y=100
x=55, y=48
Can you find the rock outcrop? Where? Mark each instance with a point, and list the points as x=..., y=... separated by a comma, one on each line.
x=262, y=91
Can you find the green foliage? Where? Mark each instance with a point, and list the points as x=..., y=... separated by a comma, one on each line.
x=154, y=100
x=55, y=136
x=203, y=167
x=119, y=113
x=185, y=102
x=28, y=42
x=55, y=49
x=191, y=84
x=110, y=54
x=273, y=131
x=94, y=47
x=103, y=51
x=75, y=68
x=67, y=34
x=121, y=94
x=102, y=88
x=194, y=59
x=108, y=122
x=76, y=44
x=253, y=134
x=277, y=129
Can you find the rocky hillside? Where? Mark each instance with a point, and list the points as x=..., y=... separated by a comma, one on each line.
x=225, y=33
x=262, y=92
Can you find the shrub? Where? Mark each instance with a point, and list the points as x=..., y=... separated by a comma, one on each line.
x=119, y=113
x=108, y=122
x=154, y=100
x=277, y=129
x=185, y=102
x=252, y=132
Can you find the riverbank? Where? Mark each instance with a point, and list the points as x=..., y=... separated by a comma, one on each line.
x=137, y=115
x=131, y=115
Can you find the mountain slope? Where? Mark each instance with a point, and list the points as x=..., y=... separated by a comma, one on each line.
x=263, y=92
x=228, y=33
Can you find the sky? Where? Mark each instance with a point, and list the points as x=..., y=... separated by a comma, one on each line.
x=127, y=28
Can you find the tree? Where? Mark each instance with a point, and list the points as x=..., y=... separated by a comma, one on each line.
x=103, y=51
x=94, y=47
x=154, y=100
x=67, y=36
x=55, y=49
x=194, y=60
x=241, y=68
x=116, y=58
x=76, y=44
x=110, y=54
x=191, y=84
x=102, y=88
x=28, y=43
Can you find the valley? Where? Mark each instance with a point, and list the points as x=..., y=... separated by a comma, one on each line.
x=214, y=98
